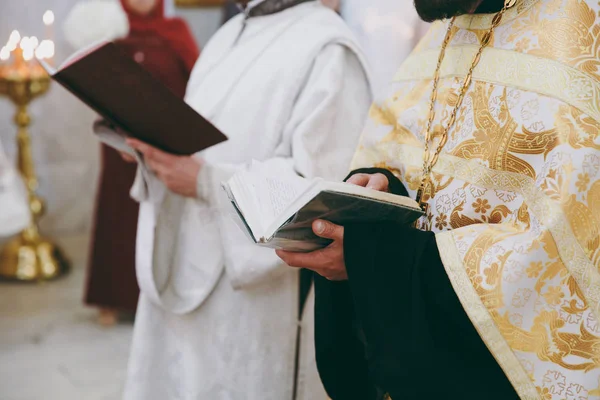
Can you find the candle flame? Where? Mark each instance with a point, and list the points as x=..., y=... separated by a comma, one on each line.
x=45, y=50
x=30, y=46
x=28, y=54
x=33, y=42
x=4, y=54
x=48, y=18
x=13, y=40
x=24, y=44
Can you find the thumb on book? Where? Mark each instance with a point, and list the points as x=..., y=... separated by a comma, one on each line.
x=327, y=230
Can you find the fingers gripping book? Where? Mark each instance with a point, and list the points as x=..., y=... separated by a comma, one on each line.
x=277, y=209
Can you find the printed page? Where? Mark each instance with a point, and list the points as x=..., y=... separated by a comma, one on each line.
x=79, y=54
x=276, y=190
x=272, y=189
x=277, y=194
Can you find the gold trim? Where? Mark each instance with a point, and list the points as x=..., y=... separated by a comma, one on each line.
x=547, y=211
x=481, y=318
x=484, y=21
x=509, y=68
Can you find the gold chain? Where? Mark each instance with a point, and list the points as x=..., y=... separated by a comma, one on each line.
x=429, y=158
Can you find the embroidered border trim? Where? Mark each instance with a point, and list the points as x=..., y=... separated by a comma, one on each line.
x=509, y=68
x=481, y=319
x=484, y=21
x=546, y=210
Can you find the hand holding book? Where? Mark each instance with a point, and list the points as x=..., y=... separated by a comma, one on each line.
x=278, y=211
x=376, y=181
x=178, y=173
x=128, y=96
x=329, y=262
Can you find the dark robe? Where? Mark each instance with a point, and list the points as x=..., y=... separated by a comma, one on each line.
x=112, y=281
x=396, y=326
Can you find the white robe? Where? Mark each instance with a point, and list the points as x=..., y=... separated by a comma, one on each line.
x=218, y=316
x=14, y=207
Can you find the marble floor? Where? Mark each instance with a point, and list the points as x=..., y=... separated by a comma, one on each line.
x=50, y=345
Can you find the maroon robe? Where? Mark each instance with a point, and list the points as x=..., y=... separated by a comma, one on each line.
x=167, y=50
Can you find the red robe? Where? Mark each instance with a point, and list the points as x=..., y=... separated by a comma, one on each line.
x=166, y=48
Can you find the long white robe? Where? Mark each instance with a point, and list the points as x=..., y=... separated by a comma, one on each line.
x=218, y=316
x=14, y=208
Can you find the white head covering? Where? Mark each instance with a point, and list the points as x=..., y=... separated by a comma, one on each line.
x=91, y=21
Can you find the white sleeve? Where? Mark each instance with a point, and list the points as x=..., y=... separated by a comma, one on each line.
x=318, y=140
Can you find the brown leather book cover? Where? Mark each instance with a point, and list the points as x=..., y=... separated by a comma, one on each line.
x=129, y=97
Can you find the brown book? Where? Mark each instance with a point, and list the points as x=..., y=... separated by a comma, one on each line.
x=129, y=97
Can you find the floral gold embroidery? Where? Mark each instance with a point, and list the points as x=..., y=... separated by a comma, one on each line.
x=554, y=295
x=583, y=180
x=518, y=186
x=534, y=270
x=481, y=206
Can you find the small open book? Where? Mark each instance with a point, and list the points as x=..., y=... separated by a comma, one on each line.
x=277, y=211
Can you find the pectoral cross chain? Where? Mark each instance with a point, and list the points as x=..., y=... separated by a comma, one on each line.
x=423, y=204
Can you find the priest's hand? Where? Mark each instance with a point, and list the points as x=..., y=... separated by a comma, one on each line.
x=327, y=262
x=376, y=181
x=178, y=173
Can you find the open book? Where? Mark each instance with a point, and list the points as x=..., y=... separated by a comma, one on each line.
x=131, y=99
x=277, y=211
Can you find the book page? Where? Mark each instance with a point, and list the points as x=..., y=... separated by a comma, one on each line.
x=279, y=206
x=81, y=53
x=343, y=187
x=50, y=70
x=279, y=195
x=110, y=137
x=263, y=195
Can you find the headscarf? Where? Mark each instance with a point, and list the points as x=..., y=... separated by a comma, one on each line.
x=174, y=30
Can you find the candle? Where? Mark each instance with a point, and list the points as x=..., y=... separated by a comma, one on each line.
x=13, y=41
x=45, y=51
x=48, y=19
x=17, y=56
x=4, y=54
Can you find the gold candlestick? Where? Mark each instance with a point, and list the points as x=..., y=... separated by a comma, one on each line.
x=29, y=257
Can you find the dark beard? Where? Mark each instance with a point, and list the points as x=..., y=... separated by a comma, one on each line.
x=433, y=10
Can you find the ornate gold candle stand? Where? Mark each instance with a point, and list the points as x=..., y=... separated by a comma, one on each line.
x=29, y=256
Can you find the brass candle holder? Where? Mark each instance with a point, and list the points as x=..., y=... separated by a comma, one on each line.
x=29, y=256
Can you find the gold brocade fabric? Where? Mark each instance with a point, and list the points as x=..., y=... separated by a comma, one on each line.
x=515, y=196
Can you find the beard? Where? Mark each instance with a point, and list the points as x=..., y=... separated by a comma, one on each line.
x=433, y=10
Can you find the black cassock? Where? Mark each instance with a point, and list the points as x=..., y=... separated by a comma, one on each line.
x=396, y=325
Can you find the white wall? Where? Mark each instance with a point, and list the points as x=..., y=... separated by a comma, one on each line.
x=203, y=21
x=65, y=151
x=387, y=30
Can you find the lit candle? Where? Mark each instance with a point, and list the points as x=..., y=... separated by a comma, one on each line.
x=45, y=50
x=4, y=53
x=48, y=19
x=33, y=42
x=13, y=40
x=23, y=58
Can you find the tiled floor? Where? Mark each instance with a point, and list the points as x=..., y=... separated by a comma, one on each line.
x=50, y=345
